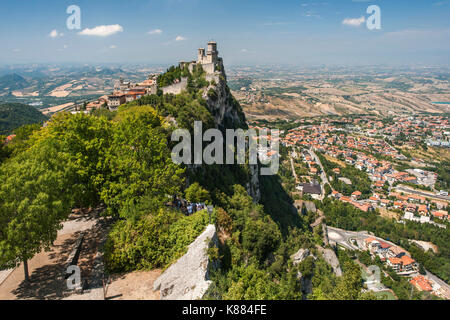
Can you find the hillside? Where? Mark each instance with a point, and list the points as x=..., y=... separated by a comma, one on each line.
x=14, y=115
x=272, y=93
x=10, y=82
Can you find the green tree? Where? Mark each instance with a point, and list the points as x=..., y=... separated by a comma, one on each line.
x=195, y=193
x=22, y=139
x=140, y=162
x=252, y=284
x=260, y=237
x=5, y=150
x=35, y=198
x=350, y=284
x=85, y=139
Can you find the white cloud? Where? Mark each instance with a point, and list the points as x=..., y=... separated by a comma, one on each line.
x=156, y=31
x=244, y=50
x=354, y=22
x=102, y=31
x=17, y=50
x=180, y=38
x=55, y=34
x=112, y=46
x=311, y=14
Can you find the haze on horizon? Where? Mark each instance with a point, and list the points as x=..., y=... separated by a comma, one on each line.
x=327, y=32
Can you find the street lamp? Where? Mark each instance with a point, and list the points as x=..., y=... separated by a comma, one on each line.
x=210, y=210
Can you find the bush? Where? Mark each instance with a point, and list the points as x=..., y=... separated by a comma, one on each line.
x=195, y=193
x=154, y=241
x=261, y=237
x=224, y=221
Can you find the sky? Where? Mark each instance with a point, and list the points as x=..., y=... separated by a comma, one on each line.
x=248, y=32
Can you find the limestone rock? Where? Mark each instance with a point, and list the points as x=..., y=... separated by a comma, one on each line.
x=299, y=256
x=187, y=278
x=331, y=258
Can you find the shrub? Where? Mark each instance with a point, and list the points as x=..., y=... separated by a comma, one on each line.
x=153, y=241
x=224, y=221
x=195, y=193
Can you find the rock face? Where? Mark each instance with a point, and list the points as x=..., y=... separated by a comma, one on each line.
x=306, y=284
x=187, y=279
x=223, y=106
x=253, y=188
x=299, y=256
x=331, y=258
x=228, y=114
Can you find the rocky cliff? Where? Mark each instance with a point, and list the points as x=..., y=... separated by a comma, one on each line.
x=225, y=109
x=188, y=278
x=228, y=114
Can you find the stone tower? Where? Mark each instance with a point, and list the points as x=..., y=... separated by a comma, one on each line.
x=201, y=55
x=212, y=54
x=208, y=61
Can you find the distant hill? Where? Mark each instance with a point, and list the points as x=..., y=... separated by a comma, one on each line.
x=14, y=115
x=13, y=82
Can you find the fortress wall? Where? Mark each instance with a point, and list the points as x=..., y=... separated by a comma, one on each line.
x=208, y=67
x=176, y=88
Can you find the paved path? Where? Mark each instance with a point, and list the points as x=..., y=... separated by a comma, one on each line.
x=47, y=268
x=318, y=220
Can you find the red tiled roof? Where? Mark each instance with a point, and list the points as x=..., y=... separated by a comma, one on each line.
x=421, y=282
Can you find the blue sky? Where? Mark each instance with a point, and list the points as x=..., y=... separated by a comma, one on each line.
x=247, y=31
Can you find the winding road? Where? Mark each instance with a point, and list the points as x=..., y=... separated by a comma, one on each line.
x=423, y=194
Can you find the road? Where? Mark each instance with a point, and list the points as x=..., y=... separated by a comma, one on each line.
x=323, y=174
x=293, y=170
x=343, y=237
x=423, y=194
x=439, y=281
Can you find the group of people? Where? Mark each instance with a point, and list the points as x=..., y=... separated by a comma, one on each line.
x=187, y=207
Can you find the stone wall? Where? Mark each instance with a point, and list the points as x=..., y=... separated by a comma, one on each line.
x=176, y=88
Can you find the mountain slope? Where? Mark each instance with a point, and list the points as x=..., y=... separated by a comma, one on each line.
x=12, y=82
x=14, y=115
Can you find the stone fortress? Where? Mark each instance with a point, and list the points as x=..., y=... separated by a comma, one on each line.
x=210, y=61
